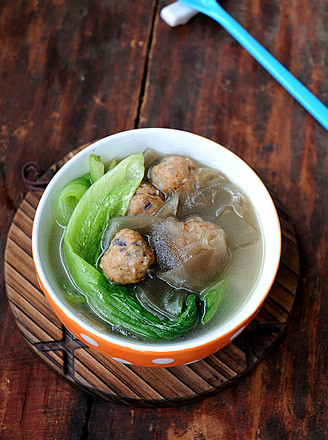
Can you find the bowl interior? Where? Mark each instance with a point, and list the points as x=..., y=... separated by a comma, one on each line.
x=165, y=141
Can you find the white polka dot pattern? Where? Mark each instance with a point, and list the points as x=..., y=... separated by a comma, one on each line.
x=192, y=362
x=162, y=361
x=237, y=333
x=122, y=361
x=89, y=340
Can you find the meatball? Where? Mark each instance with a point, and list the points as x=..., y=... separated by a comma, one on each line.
x=172, y=173
x=195, y=227
x=146, y=200
x=128, y=258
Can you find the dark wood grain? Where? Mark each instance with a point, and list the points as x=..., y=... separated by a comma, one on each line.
x=71, y=72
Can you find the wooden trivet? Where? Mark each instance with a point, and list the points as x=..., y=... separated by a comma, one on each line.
x=139, y=386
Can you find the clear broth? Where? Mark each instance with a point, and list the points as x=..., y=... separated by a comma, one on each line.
x=241, y=274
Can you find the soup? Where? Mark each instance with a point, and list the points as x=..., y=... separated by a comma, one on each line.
x=189, y=288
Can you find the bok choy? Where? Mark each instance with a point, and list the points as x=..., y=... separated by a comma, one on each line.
x=108, y=197
x=69, y=197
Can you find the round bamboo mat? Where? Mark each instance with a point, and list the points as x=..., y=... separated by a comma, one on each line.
x=138, y=386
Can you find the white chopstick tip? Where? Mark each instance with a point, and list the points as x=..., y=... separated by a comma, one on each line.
x=177, y=13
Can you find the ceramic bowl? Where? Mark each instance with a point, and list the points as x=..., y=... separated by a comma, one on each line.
x=166, y=141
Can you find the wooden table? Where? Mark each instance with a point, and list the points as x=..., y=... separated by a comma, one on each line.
x=74, y=71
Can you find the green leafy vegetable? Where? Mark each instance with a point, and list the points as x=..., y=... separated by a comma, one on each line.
x=211, y=299
x=69, y=197
x=109, y=197
x=118, y=305
x=111, y=164
x=70, y=294
x=97, y=168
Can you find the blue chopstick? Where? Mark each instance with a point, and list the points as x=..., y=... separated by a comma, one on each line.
x=312, y=104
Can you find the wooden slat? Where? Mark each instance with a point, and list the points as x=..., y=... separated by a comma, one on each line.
x=283, y=297
x=19, y=287
x=33, y=198
x=163, y=382
x=53, y=359
x=21, y=235
x=21, y=261
x=213, y=376
x=231, y=359
x=19, y=303
x=287, y=279
x=28, y=208
x=40, y=330
x=191, y=379
x=290, y=254
x=126, y=376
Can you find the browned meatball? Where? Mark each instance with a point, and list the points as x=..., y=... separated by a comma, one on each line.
x=172, y=173
x=146, y=200
x=128, y=258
